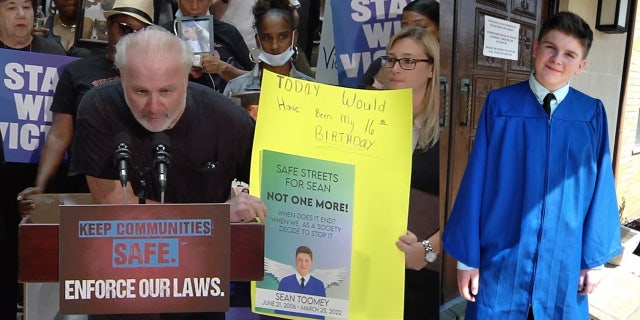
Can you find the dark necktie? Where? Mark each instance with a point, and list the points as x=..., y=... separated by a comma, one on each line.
x=546, y=103
x=302, y=283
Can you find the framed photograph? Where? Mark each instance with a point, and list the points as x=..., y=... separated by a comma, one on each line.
x=92, y=26
x=197, y=32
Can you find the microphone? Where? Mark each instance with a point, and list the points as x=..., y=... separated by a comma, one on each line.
x=122, y=155
x=160, y=143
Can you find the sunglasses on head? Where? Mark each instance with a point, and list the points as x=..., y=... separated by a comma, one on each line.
x=125, y=29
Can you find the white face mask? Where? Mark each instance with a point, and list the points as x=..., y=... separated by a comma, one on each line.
x=277, y=60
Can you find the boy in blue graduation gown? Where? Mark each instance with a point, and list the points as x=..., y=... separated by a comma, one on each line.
x=536, y=215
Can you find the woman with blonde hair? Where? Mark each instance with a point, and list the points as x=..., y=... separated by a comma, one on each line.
x=412, y=61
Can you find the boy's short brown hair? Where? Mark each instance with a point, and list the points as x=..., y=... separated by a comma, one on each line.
x=571, y=24
x=304, y=249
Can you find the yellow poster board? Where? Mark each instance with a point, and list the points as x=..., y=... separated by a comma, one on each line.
x=371, y=130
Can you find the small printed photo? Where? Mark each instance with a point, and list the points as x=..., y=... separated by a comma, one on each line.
x=198, y=33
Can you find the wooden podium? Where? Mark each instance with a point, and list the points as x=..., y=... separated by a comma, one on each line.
x=39, y=240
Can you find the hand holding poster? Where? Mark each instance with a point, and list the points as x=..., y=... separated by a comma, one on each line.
x=318, y=161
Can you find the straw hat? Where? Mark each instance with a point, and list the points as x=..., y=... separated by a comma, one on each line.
x=139, y=9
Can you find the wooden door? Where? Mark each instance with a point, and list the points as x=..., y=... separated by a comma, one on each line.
x=471, y=76
x=446, y=63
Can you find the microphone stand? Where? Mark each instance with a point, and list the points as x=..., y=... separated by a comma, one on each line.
x=162, y=160
x=122, y=158
x=142, y=196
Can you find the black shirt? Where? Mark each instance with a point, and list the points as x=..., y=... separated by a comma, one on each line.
x=210, y=144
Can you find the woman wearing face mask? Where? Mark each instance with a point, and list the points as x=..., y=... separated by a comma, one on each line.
x=276, y=38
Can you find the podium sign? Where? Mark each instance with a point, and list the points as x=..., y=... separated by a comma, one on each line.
x=122, y=259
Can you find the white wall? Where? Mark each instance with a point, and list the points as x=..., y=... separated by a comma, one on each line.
x=602, y=76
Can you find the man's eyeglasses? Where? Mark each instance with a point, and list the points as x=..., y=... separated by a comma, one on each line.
x=405, y=63
x=125, y=29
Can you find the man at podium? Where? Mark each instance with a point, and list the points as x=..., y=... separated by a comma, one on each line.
x=174, y=140
x=178, y=140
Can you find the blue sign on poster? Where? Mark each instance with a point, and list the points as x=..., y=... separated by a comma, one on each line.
x=28, y=82
x=362, y=30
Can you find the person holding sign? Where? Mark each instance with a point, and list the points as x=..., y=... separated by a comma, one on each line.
x=276, y=37
x=127, y=16
x=16, y=28
x=229, y=57
x=16, y=33
x=412, y=61
x=536, y=216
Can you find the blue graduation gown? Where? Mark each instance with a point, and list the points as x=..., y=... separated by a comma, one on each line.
x=536, y=205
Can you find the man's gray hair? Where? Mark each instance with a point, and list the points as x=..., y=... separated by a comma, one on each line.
x=152, y=40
